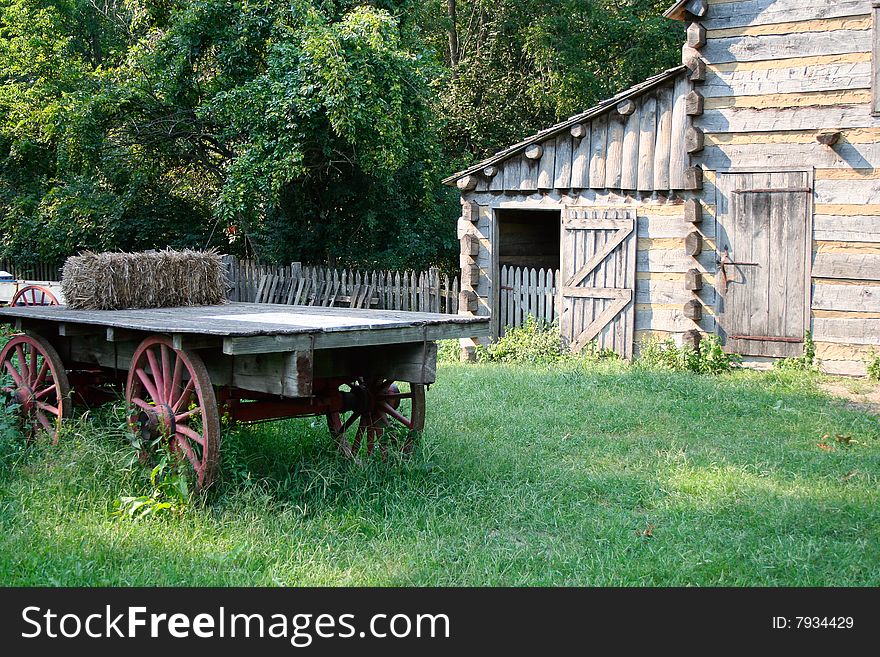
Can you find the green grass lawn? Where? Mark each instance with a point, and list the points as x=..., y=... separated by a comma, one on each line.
x=604, y=475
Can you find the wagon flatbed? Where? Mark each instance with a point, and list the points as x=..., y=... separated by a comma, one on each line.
x=252, y=362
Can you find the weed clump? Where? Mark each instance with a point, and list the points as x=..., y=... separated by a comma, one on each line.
x=708, y=357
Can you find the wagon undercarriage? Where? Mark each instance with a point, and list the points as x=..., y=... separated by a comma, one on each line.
x=365, y=371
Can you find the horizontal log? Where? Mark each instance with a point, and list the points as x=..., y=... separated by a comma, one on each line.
x=671, y=227
x=670, y=293
x=864, y=191
x=846, y=265
x=741, y=13
x=811, y=25
x=852, y=228
x=674, y=260
x=663, y=319
x=850, y=331
x=769, y=47
x=737, y=120
x=843, y=155
x=787, y=100
x=796, y=79
x=858, y=298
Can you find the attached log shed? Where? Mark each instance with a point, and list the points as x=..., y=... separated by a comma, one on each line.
x=736, y=194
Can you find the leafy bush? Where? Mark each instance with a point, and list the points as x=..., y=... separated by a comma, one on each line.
x=874, y=366
x=448, y=351
x=804, y=363
x=708, y=358
x=538, y=342
x=534, y=342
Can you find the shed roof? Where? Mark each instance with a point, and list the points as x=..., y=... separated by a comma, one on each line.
x=602, y=107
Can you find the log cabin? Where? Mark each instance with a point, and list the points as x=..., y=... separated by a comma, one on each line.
x=736, y=194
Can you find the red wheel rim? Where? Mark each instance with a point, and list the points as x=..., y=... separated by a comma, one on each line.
x=387, y=417
x=34, y=295
x=169, y=394
x=37, y=382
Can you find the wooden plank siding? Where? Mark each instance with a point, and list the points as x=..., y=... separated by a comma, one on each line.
x=642, y=151
x=777, y=73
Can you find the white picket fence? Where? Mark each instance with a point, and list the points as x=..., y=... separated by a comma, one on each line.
x=525, y=292
x=426, y=291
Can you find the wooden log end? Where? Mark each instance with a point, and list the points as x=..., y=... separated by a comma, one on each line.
x=693, y=280
x=694, y=103
x=694, y=140
x=696, y=35
x=470, y=211
x=697, y=8
x=578, y=130
x=470, y=275
x=490, y=171
x=468, y=300
x=692, y=339
x=693, y=211
x=693, y=178
x=534, y=151
x=697, y=68
x=693, y=244
x=828, y=137
x=626, y=107
x=467, y=183
x=470, y=245
x=693, y=310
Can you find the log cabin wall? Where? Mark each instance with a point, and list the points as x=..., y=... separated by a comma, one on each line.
x=788, y=84
x=629, y=152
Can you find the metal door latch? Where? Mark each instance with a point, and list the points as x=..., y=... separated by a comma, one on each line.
x=725, y=260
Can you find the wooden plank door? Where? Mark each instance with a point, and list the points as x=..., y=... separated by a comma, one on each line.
x=598, y=278
x=763, y=249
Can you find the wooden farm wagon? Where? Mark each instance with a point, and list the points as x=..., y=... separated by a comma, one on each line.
x=736, y=194
x=366, y=371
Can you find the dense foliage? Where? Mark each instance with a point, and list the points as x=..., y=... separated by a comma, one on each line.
x=313, y=130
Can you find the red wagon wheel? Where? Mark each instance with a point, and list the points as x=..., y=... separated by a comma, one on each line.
x=34, y=295
x=37, y=383
x=169, y=395
x=384, y=416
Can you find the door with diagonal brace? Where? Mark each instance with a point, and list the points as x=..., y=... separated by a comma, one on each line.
x=597, y=279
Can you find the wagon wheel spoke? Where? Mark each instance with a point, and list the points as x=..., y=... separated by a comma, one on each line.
x=39, y=383
x=46, y=391
x=158, y=382
x=166, y=370
x=54, y=410
x=384, y=420
x=183, y=444
x=137, y=401
x=186, y=415
x=161, y=395
x=41, y=375
x=23, y=363
x=397, y=416
x=14, y=373
x=43, y=420
x=187, y=391
x=189, y=433
x=148, y=383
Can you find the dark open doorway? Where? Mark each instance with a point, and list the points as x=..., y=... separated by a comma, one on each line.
x=528, y=238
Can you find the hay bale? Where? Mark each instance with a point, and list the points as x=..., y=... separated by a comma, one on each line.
x=152, y=279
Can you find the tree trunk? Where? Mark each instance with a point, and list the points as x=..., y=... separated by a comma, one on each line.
x=452, y=30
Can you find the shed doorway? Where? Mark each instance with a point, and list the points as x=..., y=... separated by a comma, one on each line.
x=527, y=265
